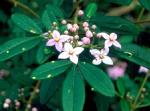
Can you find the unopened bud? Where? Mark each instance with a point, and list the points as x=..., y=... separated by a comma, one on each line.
x=63, y=22
x=80, y=13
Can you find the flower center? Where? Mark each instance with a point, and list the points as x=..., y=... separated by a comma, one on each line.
x=56, y=39
x=101, y=56
x=71, y=52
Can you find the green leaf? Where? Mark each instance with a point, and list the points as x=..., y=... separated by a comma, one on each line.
x=4, y=85
x=49, y=87
x=145, y=3
x=121, y=86
x=51, y=69
x=17, y=46
x=115, y=24
x=90, y=10
x=124, y=105
x=46, y=19
x=26, y=23
x=102, y=102
x=41, y=55
x=57, y=3
x=55, y=11
x=97, y=79
x=73, y=91
x=122, y=2
x=134, y=53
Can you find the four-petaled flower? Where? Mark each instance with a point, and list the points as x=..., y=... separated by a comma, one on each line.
x=57, y=40
x=101, y=56
x=110, y=40
x=71, y=53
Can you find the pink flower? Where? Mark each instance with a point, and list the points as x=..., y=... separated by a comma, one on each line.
x=115, y=72
x=89, y=34
x=57, y=40
x=71, y=53
x=110, y=40
x=143, y=69
x=86, y=40
x=101, y=56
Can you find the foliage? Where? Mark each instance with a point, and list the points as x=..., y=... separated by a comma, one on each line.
x=31, y=69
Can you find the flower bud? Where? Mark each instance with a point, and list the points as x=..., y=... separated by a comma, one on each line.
x=76, y=26
x=85, y=24
x=34, y=109
x=86, y=28
x=94, y=27
x=66, y=32
x=76, y=37
x=80, y=13
x=7, y=100
x=89, y=34
x=63, y=22
x=5, y=105
x=69, y=26
x=86, y=40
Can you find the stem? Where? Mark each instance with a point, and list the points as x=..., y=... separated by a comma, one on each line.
x=134, y=105
x=33, y=94
x=140, y=15
x=142, y=21
x=24, y=7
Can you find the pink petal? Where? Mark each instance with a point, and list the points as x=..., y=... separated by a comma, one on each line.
x=113, y=36
x=68, y=47
x=108, y=43
x=59, y=46
x=64, y=38
x=95, y=52
x=50, y=42
x=104, y=35
x=78, y=50
x=74, y=58
x=107, y=60
x=55, y=34
x=117, y=44
x=63, y=55
x=96, y=61
x=105, y=50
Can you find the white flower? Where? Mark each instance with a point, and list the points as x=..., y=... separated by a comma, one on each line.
x=101, y=56
x=110, y=40
x=71, y=53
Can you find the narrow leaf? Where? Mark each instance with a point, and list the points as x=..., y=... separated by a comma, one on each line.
x=91, y=10
x=73, y=91
x=17, y=46
x=97, y=79
x=51, y=69
x=26, y=23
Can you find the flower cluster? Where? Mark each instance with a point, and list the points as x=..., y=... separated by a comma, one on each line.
x=77, y=36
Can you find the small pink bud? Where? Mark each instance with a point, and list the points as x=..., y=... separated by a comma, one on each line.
x=69, y=26
x=34, y=109
x=86, y=40
x=89, y=34
x=17, y=103
x=76, y=26
x=85, y=24
x=7, y=100
x=86, y=28
x=73, y=29
x=94, y=27
x=80, y=12
x=63, y=22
